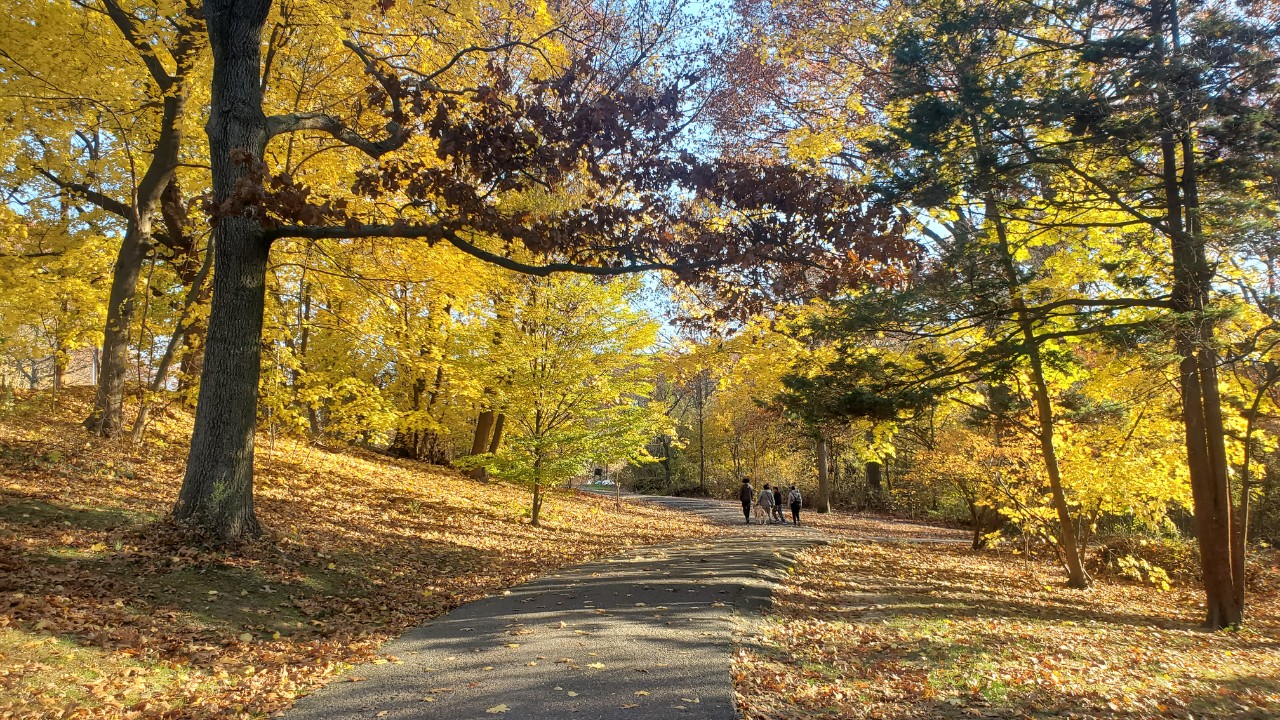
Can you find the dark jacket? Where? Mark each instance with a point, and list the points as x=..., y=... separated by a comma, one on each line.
x=747, y=493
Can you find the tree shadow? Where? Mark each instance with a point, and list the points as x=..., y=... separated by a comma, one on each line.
x=649, y=634
x=108, y=577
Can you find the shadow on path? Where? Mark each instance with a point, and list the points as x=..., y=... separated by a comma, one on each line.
x=642, y=636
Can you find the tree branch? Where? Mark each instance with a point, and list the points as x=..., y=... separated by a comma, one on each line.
x=125, y=22
x=430, y=77
x=439, y=231
x=32, y=255
x=111, y=205
x=397, y=135
x=293, y=122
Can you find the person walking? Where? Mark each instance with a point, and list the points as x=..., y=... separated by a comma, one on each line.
x=746, y=495
x=765, y=503
x=777, y=504
x=795, y=500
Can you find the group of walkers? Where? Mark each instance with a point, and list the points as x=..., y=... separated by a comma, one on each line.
x=768, y=504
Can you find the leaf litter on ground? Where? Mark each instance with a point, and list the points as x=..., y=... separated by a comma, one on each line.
x=106, y=612
x=928, y=630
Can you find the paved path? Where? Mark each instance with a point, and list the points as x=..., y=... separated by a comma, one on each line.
x=643, y=636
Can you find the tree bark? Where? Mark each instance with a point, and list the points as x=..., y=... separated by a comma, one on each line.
x=822, y=501
x=1194, y=342
x=1076, y=576
x=480, y=443
x=107, y=416
x=536, y=511
x=217, y=490
x=875, y=481
x=496, y=441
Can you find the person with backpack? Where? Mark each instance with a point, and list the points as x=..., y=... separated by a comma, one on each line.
x=795, y=500
x=765, y=503
x=777, y=504
x=746, y=495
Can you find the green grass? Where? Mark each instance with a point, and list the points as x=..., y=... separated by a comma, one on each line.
x=40, y=663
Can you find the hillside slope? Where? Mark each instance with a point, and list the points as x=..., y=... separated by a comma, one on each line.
x=105, y=613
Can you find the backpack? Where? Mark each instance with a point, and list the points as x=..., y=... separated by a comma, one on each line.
x=794, y=497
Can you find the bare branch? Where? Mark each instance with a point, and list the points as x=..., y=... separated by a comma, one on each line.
x=458, y=56
x=111, y=205
x=294, y=122
x=439, y=231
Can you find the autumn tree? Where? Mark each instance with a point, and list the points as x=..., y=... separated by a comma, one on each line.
x=103, y=119
x=1087, y=122
x=50, y=301
x=579, y=390
x=1170, y=107
x=552, y=117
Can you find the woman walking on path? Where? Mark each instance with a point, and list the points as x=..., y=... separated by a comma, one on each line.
x=795, y=500
x=765, y=503
x=746, y=495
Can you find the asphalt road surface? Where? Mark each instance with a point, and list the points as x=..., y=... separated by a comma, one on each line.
x=642, y=636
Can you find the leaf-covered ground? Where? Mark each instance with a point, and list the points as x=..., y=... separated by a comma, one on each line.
x=897, y=630
x=104, y=613
x=872, y=527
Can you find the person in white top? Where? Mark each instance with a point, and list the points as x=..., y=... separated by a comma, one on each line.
x=765, y=502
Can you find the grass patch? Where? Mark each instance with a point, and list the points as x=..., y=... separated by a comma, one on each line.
x=38, y=664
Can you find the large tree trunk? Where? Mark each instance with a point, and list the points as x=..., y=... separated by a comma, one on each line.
x=822, y=502
x=499, y=424
x=217, y=491
x=1210, y=492
x=1195, y=344
x=875, y=481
